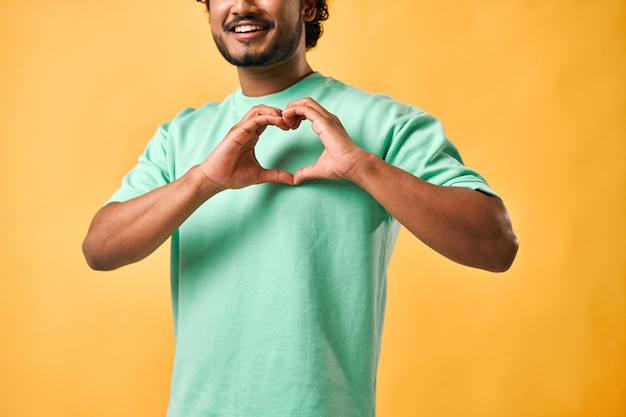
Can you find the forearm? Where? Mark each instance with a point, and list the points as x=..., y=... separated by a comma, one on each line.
x=123, y=233
x=464, y=225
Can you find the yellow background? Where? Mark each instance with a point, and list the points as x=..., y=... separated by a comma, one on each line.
x=532, y=92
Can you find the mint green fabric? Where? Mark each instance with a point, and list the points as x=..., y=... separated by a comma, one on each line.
x=279, y=292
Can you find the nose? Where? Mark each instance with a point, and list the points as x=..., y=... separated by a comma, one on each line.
x=244, y=7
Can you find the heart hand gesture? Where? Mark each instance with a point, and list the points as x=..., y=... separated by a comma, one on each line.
x=233, y=163
x=340, y=156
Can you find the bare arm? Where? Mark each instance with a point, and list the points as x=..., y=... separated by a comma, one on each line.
x=467, y=226
x=464, y=225
x=122, y=233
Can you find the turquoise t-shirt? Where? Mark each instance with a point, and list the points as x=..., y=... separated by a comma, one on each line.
x=278, y=291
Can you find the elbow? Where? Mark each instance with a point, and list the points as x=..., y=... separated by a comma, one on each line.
x=503, y=253
x=94, y=257
x=503, y=244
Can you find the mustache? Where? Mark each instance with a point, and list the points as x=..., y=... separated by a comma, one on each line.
x=248, y=19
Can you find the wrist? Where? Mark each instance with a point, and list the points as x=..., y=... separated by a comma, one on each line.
x=365, y=166
x=203, y=184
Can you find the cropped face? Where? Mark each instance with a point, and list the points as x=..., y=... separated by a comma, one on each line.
x=257, y=33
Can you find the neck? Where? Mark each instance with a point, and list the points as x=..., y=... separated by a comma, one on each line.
x=261, y=81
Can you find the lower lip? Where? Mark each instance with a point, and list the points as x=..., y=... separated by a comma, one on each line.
x=249, y=35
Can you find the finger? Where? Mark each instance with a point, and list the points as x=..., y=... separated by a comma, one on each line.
x=258, y=123
x=322, y=124
x=293, y=120
x=311, y=110
x=276, y=176
x=261, y=109
x=307, y=173
x=307, y=101
x=301, y=112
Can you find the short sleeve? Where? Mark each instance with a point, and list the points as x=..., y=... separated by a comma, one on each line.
x=419, y=145
x=151, y=170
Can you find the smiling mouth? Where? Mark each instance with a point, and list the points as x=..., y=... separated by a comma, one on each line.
x=248, y=24
x=248, y=28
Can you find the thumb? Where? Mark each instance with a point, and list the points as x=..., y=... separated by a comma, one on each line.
x=277, y=176
x=306, y=173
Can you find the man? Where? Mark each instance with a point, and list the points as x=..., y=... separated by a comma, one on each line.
x=283, y=203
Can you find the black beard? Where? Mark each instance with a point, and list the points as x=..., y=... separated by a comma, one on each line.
x=283, y=47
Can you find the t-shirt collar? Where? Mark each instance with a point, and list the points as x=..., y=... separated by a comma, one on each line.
x=301, y=89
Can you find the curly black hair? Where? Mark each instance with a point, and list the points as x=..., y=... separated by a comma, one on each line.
x=313, y=29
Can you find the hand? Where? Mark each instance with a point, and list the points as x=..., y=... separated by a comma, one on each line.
x=233, y=163
x=340, y=156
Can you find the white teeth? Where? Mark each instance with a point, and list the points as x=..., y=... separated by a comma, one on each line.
x=247, y=28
